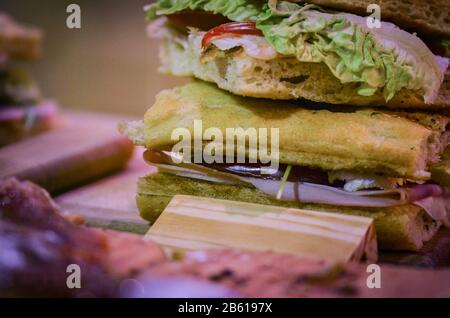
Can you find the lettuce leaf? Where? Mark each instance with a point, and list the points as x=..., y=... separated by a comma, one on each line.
x=235, y=10
x=387, y=59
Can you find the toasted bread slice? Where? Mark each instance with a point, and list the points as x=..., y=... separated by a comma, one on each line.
x=393, y=144
x=18, y=41
x=282, y=78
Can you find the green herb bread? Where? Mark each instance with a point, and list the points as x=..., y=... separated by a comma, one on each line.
x=281, y=78
x=364, y=140
x=398, y=228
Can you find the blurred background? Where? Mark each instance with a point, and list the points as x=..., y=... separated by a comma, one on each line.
x=109, y=65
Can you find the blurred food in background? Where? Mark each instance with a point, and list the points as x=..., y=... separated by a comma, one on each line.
x=23, y=110
x=45, y=244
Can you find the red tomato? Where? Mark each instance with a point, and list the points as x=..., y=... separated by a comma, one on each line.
x=230, y=29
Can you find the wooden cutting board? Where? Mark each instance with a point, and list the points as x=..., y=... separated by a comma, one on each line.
x=110, y=203
x=83, y=147
x=194, y=223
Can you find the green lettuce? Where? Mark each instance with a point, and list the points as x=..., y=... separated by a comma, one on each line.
x=235, y=10
x=386, y=59
x=349, y=52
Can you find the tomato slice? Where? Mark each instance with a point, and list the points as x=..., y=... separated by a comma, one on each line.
x=230, y=29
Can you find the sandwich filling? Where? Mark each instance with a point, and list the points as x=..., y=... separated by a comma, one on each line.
x=307, y=185
x=385, y=59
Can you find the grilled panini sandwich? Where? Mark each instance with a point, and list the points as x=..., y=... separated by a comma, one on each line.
x=360, y=111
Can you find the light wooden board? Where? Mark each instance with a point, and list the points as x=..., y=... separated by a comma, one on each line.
x=190, y=223
x=110, y=202
x=82, y=148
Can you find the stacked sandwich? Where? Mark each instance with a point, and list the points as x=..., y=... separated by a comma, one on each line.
x=23, y=112
x=361, y=111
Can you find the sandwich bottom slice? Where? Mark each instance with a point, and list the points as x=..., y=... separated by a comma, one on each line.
x=404, y=227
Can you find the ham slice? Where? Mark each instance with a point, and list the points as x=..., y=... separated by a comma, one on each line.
x=433, y=198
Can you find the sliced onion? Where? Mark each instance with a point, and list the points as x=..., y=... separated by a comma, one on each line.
x=230, y=29
x=434, y=199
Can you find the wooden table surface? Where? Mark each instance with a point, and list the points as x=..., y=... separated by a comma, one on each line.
x=82, y=147
x=110, y=202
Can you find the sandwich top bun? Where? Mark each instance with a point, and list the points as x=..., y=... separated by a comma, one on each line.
x=281, y=78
